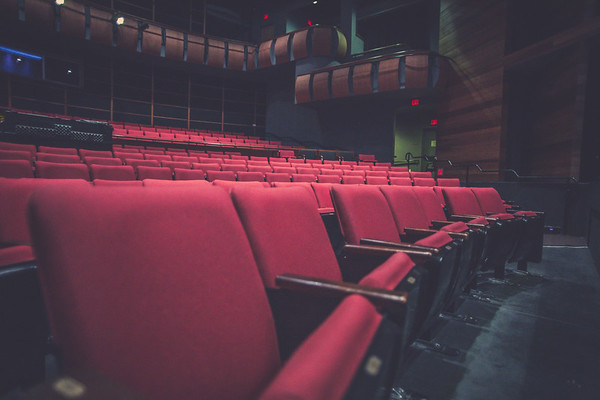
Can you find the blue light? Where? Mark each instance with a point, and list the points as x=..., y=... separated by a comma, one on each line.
x=20, y=53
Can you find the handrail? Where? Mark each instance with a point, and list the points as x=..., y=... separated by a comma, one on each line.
x=398, y=54
x=570, y=179
x=436, y=161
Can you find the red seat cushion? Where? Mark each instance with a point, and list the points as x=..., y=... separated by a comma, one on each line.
x=389, y=274
x=436, y=240
x=456, y=227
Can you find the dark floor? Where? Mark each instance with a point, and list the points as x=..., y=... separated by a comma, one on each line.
x=536, y=338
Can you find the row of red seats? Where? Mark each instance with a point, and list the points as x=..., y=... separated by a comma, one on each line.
x=289, y=257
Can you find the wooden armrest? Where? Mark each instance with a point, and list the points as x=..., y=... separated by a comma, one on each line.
x=509, y=201
x=427, y=232
x=353, y=249
x=440, y=223
x=327, y=287
x=399, y=245
x=476, y=226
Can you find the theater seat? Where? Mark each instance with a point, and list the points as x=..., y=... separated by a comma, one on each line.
x=16, y=169
x=112, y=172
x=51, y=170
x=365, y=218
x=154, y=173
x=301, y=249
x=207, y=327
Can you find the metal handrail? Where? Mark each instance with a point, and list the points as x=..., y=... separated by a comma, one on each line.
x=569, y=179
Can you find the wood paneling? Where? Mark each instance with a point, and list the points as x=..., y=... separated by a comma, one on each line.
x=152, y=40
x=174, y=44
x=320, y=86
x=128, y=35
x=339, y=83
x=321, y=39
x=303, y=89
x=216, y=53
x=235, y=56
x=281, y=49
x=389, y=77
x=361, y=79
x=470, y=113
x=196, y=47
x=101, y=27
x=417, y=70
x=72, y=19
x=299, y=47
x=264, y=54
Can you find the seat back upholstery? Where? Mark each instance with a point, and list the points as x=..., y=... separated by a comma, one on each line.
x=286, y=233
x=112, y=172
x=489, y=200
x=461, y=201
x=406, y=207
x=363, y=212
x=431, y=203
x=53, y=170
x=118, y=293
x=13, y=205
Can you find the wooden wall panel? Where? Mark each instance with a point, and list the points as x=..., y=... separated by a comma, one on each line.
x=321, y=39
x=339, y=83
x=299, y=46
x=416, y=71
x=281, y=49
x=470, y=113
x=72, y=19
x=235, y=56
x=40, y=13
x=174, y=44
x=251, y=60
x=320, y=86
x=303, y=89
x=389, y=78
x=152, y=41
x=128, y=35
x=264, y=54
x=196, y=47
x=361, y=79
x=216, y=53
x=555, y=121
x=101, y=27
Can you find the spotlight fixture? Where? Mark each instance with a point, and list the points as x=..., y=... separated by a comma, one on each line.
x=118, y=19
x=69, y=71
x=60, y=2
x=19, y=59
x=315, y=2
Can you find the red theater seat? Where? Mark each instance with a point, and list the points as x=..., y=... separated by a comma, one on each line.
x=52, y=170
x=154, y=173
x=377, y=180
x=235, y=322
x=58, y=150
x=277, y=177
x=16, y=169
x=89, y=160
x=189, y=174
x=112, y=172
x=95, y=153
x=448, y=182
x=220, y=175
x=58, y=158
x=246, y=176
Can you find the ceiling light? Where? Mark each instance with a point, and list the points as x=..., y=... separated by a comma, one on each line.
x=120, y=20
x=315, y=2
x=60, y=2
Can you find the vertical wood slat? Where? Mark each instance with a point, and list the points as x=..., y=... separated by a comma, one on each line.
x=303, y=89
x=264, y=54
x=339, y=83
x=196, y=48
x=361, y=79
x=299, y=45
x=101, y=27
x=216, y=53
x=320, y=86
x=174, y=44
x=281, y=49
x=388, y=75
x=235, y=56
x=72, y=19
x=417, y=69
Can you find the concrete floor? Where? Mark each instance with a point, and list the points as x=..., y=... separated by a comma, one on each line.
x=538, y=337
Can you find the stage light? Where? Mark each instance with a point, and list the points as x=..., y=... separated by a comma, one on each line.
x=60, y=2
x=118, y=19
x=315, y=2
x=19, y=59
